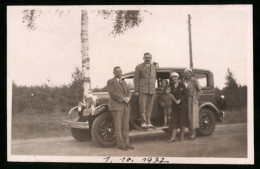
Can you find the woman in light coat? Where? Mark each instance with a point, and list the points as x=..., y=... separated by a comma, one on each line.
x=194, y=93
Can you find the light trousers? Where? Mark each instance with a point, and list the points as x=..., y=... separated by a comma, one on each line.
x=146, y=107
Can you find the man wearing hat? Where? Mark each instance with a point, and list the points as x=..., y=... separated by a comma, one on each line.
x=144, y=82
x=194, y=93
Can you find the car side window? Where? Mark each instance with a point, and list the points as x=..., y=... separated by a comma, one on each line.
x=162, y=80
x=202, y=78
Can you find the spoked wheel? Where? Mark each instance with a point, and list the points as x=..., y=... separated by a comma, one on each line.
x=107, y=130
x=103, y=130
x=207, y=122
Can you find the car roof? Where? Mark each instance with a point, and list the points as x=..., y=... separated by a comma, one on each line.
x=170, y=69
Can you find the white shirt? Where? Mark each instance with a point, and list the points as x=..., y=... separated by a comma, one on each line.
x=119, y=80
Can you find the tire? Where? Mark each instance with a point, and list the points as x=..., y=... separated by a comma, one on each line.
x=103, y=131
x=207, y=122
x=81, y=134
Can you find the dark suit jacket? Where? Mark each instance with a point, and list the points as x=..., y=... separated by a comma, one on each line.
x=117, y=92
x=144, y=78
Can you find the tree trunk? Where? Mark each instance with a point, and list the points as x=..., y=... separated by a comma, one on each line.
x=84, y=52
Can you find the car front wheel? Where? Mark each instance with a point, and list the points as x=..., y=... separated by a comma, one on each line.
x=103, y=131
x=81, y=134
x=207, y=122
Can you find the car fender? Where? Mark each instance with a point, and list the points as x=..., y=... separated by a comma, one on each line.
x=213, y=108
x=99, y=109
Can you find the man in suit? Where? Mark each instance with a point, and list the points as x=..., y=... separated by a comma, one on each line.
x=144, y=82
x=119, y=106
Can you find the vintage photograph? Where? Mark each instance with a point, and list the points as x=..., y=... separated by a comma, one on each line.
x=160, y=84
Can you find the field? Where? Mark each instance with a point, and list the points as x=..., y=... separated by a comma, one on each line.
x=32, y=125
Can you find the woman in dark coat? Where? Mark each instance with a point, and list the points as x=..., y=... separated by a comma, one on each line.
x=179, y=117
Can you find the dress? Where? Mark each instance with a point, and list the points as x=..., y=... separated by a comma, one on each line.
x=179, y=116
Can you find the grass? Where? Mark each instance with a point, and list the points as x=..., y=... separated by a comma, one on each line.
x=29, y=124
x=32, y=125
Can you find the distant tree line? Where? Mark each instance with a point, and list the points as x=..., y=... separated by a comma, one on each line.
x=45, y=98
x=235, y=94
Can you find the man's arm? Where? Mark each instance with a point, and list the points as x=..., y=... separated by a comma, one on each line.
x=128, y=93
x=136, y=78
x=113, y=93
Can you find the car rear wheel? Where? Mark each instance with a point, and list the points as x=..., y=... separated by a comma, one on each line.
x=103, y=130
x=81, y=134
x=207, y=122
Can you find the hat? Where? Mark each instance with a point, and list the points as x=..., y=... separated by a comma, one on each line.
x=188, y=69
x=174, y=74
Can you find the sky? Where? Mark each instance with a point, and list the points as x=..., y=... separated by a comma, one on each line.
x=221, y=39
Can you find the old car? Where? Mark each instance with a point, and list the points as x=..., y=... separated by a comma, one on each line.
x=98, y=124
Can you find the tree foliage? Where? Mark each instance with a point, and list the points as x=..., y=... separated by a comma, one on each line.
x=123, y=20
x=235, y=94
x=30, y=17
x=46, y=98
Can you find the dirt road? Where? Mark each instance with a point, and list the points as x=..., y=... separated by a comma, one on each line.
x=229, y=140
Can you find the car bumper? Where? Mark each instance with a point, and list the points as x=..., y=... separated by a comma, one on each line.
x=74, y=124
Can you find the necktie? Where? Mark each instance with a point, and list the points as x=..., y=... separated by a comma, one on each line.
x=121, y=82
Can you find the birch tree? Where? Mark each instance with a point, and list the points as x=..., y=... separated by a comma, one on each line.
x=123, y=20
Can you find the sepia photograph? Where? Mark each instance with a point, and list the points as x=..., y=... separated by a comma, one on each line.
x=152, y=84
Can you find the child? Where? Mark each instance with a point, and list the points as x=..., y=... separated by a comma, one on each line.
x=164, y=83
x=166, y=102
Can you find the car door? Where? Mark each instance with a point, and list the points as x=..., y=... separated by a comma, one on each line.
x=157, y=112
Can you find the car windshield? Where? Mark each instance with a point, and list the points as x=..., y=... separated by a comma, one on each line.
x=130, y=82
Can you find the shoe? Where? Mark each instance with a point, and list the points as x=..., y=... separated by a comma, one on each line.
x=130, y=147
x=123, y=148
x=171, y=140
x=149, y=125
x=144, y=125
x=181, y=139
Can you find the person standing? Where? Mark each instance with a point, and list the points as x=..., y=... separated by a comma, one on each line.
x=119, y=106
x=144, y=83
x=166, y=102
x=180, y=108
x=194, y=93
